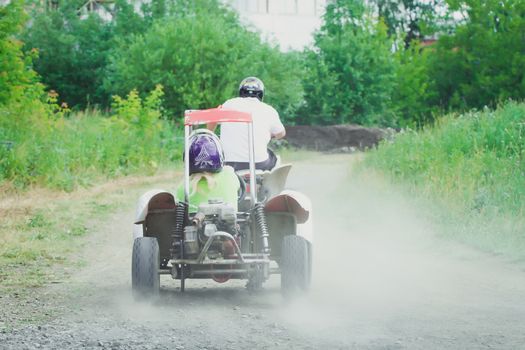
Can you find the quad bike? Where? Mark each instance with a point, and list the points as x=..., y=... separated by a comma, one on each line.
x=271, y=232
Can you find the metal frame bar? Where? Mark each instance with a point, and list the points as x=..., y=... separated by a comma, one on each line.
x=253, y=182
x=219, y=272
x=186, y=164
x=220, y=261
x=210, y=240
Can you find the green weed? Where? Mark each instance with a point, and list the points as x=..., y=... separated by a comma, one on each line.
x=77, y=231
x=38, y=220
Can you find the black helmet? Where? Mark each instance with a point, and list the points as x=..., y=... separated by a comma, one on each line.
x=251, y=87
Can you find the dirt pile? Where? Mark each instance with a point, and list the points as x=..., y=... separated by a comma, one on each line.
x=336, y=138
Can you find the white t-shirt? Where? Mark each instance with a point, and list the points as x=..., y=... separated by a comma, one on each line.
x=234, y=136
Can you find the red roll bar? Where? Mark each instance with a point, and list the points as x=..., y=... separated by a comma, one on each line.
x=215, y=115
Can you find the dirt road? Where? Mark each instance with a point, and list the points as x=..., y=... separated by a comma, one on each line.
x=381, y=281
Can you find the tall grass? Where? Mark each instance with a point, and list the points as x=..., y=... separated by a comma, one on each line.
x=474, y=164
x=63, y=150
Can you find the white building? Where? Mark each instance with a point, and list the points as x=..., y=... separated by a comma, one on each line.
x=290, y=23
x=102, y=7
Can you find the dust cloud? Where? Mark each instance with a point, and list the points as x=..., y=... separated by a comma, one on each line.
x=381, y=279
x=379, y=269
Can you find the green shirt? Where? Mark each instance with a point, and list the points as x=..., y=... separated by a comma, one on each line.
x=224, y=185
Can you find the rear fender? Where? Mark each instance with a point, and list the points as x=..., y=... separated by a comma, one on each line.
x=151, y=200
x=299, y=206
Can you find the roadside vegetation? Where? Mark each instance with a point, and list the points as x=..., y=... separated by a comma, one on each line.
x=59, y=149
x=472, y=167
x=42, y=232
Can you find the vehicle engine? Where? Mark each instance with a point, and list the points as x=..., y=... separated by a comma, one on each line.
x=210, y=218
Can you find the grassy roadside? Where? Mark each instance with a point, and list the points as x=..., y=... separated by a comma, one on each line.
x=42, y=230
x=470, y=170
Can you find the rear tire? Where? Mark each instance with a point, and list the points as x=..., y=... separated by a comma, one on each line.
x=145, y=262
x=295, y=265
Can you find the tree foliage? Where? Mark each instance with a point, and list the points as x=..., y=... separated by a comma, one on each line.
x=17, y=79
x=367, y=64
x=23, y=102
x=200, y=59
x=198, y=51
x=351, y=70
x=72, y=53
x=483, y=62
x=411, y=19
x=414, y=99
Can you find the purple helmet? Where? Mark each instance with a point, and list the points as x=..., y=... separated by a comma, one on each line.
x=205, y=152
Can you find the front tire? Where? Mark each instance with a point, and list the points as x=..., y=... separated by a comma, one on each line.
x=295, y=265
x=145, y=262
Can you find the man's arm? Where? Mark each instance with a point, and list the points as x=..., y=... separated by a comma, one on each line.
x=277, y=129
x=279, y=135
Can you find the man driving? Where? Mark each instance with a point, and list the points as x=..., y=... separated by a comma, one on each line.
x=266, y=125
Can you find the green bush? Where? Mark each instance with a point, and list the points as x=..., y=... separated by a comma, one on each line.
x=42, y=143
x=414, y=97
x=24, y=113
x=64, y=152
x=72, y=53
x=350, y=72
x=482, y=63
x=18, y=81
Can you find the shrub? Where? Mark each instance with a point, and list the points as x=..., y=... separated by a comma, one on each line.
x=414, y=98
x=482, y=62
x=73, y=150
x=350, y=72
x=17, y=80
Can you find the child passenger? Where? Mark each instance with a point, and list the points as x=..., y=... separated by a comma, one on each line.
x=209, y=177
